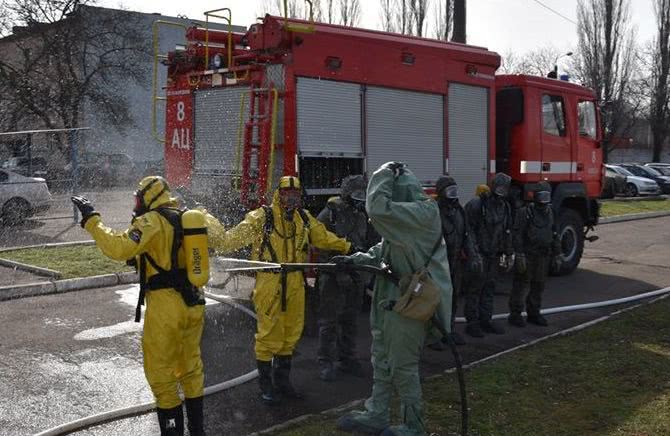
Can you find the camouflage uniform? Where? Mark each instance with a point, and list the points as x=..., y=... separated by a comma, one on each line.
x=341, y=294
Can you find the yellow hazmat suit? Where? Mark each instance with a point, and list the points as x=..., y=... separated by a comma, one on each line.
x=278, y=331
x=172, y=330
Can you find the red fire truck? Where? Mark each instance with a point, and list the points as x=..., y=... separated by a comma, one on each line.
x=323, y=101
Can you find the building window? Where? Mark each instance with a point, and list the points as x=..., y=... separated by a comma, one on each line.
x=586, y=111
x=553, y=115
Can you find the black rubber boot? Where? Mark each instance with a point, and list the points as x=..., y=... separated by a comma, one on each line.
x=171, y=421
x=537, y=319
x=491, y=327
x=281, y=366
x=268, y=395
x=516, y=319
x=474, y=330
x=195, y=416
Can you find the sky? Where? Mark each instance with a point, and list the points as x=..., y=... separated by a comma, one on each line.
x=501, y=25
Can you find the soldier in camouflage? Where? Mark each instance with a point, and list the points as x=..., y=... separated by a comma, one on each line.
x=536, y=244
x=490, y=219
x=341, y=293
x=461, y=250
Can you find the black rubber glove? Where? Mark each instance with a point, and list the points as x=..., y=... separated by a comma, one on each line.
x=342, y=260
x=398, y=168
x=85, y=208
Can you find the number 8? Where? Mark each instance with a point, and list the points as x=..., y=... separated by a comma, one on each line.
x=180, y=111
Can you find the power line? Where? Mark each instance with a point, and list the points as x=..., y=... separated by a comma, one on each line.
x=555, y=11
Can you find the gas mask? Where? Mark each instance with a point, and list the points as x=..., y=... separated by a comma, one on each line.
x=542, y=200
x=450, y=193
x=501, y=185
x=290, y=199
x=357, y=200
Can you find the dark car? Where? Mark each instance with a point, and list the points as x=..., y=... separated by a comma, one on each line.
x=29, y=167
x=662, y=168
x=650, y=173
x=615, y=184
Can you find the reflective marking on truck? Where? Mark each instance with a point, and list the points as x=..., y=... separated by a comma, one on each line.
x=535, y=167
x=492, y=166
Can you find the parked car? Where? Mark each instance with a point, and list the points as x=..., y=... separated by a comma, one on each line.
x=615, y=184
x=636, y=185
x=108, y=169
x=650, y=173
x=30, y=167
x=21, y=197
x=663, y=168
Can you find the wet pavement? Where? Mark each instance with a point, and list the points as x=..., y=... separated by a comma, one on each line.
x=69, y=356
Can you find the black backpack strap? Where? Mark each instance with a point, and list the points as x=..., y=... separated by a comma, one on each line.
x=268, y=228
x=304, y=218
x=143, y=287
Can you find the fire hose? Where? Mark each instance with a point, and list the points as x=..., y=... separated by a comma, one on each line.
x=383, y=272
x=140, y=409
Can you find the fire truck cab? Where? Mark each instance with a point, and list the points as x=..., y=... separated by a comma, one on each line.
x=324, y=101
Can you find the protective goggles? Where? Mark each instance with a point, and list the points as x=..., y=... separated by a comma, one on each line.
x=543, y=197
x=450, y=192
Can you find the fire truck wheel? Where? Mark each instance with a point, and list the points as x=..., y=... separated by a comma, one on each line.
x=571, y=233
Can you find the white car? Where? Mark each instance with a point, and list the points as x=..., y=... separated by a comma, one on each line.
x=21, y=197
x=636, y=185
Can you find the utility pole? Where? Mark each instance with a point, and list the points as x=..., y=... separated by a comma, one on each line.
x=459, y=21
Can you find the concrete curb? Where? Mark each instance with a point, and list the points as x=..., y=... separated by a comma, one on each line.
x=633, y=217
x=68, y=285
x=30, y=268
x=50, y=245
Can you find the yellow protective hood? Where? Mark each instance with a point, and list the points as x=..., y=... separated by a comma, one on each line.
x=155, y=192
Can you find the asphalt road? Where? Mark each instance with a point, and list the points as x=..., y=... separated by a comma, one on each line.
x=69, y=356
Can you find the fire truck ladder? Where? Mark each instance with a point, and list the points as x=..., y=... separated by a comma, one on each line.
x=259, y=145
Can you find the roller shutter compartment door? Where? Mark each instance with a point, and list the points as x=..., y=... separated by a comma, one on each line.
x=405, y=126
x=329, y=118
x=217, y=124
x=468, y=160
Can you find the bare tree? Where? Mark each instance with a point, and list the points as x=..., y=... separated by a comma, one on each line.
x=536, y=62
x=659, y=78
x=403, y=17
x=418, y=10
x=350, y=12
x=64, y=59
x=606, y=59
x=329, y=12
x=387, y=15
x=444, y=19
x=295, y=8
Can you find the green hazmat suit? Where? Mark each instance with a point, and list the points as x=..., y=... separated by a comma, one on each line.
x=409, y=223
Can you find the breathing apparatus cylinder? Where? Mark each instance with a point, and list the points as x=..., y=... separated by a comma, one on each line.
x=195, y=247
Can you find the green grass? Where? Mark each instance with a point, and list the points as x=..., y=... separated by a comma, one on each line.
x=613, y=208
x=71, y=261
x=611, y=379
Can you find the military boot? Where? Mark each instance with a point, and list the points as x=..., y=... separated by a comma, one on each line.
x=281, y=369
x=268, y=395
x=516, y=319
x=195, y=416
x=491, y=327
x=473, y=329
x=537, y=319
x=171, y=421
